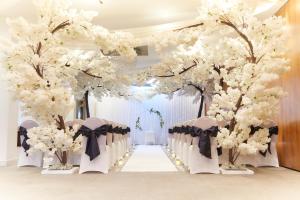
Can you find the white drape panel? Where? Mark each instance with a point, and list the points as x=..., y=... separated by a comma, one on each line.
x=178, y=109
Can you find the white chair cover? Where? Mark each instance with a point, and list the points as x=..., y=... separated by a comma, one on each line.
x=34, y=159
x=101, y=162
x=198, y=162
x=257, y=160
x=271, y=159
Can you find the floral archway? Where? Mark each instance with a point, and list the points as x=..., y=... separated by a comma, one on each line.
x=231, y=58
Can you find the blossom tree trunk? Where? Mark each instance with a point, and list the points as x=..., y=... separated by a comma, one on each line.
x=61, y=155
x=82, y=107
x=201, y=106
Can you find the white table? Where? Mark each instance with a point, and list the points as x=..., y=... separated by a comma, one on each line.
x=149, y=137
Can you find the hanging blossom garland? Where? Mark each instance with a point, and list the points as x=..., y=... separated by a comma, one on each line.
x=138, y=124
x=42, y=69
x=161, y=120
x=236, y=60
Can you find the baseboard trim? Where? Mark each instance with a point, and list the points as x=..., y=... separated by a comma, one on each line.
x=5, y=163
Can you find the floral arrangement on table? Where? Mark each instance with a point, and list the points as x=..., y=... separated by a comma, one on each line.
x=45, y=72
x=138, y=124
x=161, y=120
x=235, y=58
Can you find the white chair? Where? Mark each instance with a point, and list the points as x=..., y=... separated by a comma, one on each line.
x=257, y=160
x=198, y=162
x=119, y=145
x=101, y=162
x=33, y=159
x=270, y=159
x=186, y=147
x=114, y=149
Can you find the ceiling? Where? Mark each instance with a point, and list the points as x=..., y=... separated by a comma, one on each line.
x=127, y=14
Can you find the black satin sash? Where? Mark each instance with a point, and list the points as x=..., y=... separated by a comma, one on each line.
x=204, y=139
x=23, y=132
x=272, y=131
x=92, y=147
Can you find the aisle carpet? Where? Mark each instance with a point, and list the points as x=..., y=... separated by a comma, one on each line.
x=149, y=158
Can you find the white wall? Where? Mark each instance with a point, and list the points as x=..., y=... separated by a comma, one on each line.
x=8, y=126
x=178, y=109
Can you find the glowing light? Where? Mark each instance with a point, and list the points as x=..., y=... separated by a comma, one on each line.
x=120, y=162
x=165, y=14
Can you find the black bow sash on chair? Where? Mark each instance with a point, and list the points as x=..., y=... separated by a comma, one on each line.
x=23, y=132
x=92, y=147
x=204, y=138
x=272, y=131
x=171, y=131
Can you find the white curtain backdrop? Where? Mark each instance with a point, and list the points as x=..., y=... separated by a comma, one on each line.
x=178, y=109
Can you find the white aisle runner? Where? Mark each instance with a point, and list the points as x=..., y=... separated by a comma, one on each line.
x=149, y=158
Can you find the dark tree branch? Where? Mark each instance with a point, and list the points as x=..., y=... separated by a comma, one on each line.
x=61, y=26
x=227, y=22
x=197, y=87
x=86, y=99
x=183, y=71
x=191, y=26
x=90, y=74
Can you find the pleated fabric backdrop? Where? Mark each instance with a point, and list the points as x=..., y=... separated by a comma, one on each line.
x=177, y=109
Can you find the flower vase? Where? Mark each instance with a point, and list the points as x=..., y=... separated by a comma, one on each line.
x=55, y=166
x=235, y=169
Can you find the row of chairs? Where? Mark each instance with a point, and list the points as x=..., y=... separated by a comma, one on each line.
x=205, y=157
x=113, y=146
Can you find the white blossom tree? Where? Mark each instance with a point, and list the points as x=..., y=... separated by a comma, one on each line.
x=235, y=58
x=43, y=72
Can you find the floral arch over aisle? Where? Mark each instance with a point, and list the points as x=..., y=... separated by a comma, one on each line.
x=231, y=57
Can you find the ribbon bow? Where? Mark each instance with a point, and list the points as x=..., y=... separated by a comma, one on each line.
x=272, y=131
x=92, y=147
x=204, y=139
x=171, y=131
x=23, y=132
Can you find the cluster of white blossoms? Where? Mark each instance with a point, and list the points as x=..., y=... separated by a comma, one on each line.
x=45, y=71
x=236, y=58
x=51, y=141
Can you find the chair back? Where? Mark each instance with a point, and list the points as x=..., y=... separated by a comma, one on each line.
x=28, y=124
x=204, y=123
x=93, y=123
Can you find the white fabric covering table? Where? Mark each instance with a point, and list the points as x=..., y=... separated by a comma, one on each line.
x=149, y=137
